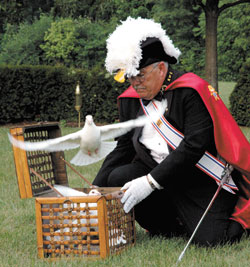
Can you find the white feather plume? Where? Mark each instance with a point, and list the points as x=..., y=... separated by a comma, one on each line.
x=123, y=45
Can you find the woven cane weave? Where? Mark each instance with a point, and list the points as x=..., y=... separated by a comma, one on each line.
x=70, y=228
x=40, y=161
x=86, y=226
x=120, y=226
x=47, y=164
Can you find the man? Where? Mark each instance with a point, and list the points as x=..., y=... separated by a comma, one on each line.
x=164, y=176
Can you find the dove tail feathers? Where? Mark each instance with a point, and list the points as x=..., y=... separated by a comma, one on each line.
x=82, y=158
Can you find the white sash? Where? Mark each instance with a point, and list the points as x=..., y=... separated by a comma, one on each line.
x=208, y=163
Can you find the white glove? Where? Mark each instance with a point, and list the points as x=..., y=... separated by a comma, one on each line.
x=137, y=190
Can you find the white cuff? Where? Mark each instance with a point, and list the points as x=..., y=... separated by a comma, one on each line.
x=151, y=179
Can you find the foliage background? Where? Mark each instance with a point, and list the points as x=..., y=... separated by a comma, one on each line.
x=240, y=97
x=46, y=93
x=72, y=34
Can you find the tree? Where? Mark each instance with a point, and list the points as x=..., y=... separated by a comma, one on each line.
x=240, y=97
x=233, y=41
x=212, y=13
x=96, y=10
x=21, y=44
x=180, y=20
x=60, y=42
x=184, y=22
x=17, y=11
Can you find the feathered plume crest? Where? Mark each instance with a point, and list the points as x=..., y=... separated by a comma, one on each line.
x=123, y=45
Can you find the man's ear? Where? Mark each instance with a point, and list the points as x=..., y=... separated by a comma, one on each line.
x=162, y=68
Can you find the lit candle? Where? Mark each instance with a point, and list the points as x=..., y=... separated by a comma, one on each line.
x=78, y=102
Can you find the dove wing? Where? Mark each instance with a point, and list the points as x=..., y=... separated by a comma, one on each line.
x=69, y=141
x=118, y=129
x=114, y=130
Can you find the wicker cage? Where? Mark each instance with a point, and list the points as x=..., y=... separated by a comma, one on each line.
x=48, y=164
x=87, y=226
x=91, y=226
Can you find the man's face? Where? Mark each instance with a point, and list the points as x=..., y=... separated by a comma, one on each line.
x=149, y=81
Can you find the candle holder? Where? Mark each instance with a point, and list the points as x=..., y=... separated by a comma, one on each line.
x=78, y=104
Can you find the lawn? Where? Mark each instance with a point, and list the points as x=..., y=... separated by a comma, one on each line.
x=18, y=229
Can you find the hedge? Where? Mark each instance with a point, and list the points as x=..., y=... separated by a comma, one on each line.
x=240, y=97
x=45, y=93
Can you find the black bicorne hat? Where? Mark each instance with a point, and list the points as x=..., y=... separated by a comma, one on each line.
x=153, y=51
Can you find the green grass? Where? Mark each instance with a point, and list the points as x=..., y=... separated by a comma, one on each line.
x=18, y=228
x=225, y=89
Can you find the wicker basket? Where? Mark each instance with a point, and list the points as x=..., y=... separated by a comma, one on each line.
x=91, y=226
x=48, y=164
x=87, y=226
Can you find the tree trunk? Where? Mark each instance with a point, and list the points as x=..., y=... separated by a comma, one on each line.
x=211, y=68
x=212, y=12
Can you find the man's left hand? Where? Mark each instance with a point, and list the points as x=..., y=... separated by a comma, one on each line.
x=137, y=190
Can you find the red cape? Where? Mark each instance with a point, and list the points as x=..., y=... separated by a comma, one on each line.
x=230, y=142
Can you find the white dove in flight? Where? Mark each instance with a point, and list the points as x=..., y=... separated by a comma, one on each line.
x=90, y=139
